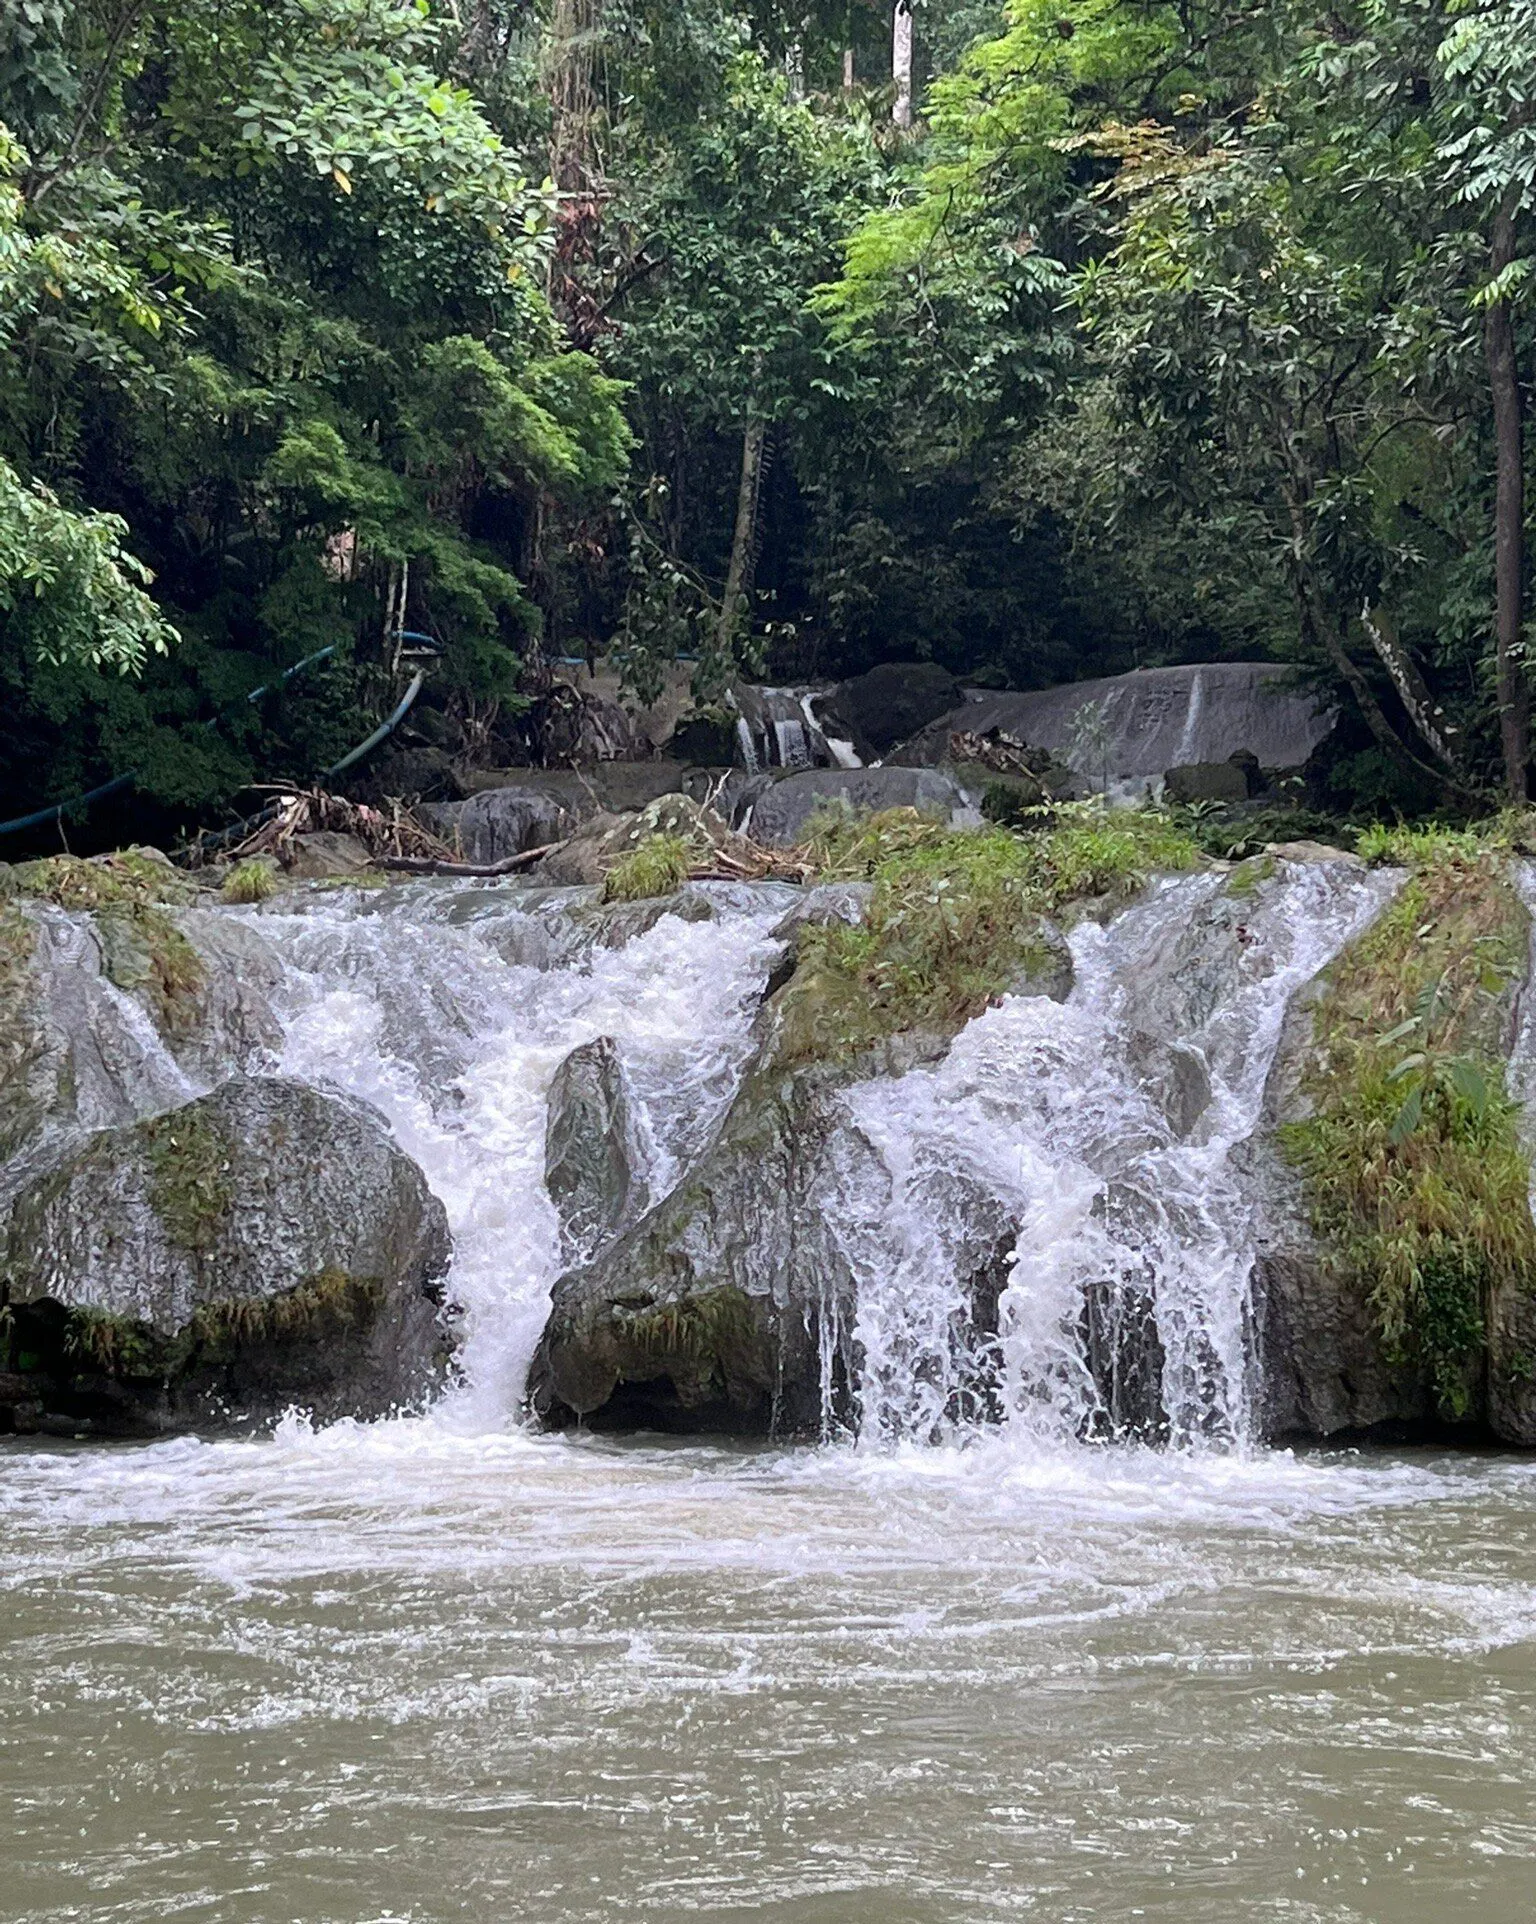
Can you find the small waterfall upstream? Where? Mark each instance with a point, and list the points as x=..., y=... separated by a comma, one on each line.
x=1045, y=1228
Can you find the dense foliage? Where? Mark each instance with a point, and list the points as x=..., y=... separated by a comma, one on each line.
x=551, y=327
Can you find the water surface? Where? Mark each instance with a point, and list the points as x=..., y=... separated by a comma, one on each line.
x=412, y=1673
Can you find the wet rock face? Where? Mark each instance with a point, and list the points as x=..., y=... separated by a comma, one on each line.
x=705, y=1314
x=587, y=1145
x=780, y=816
x=261, y=1247
x=730, y=1305
x=500, y=822
x=1145, y=723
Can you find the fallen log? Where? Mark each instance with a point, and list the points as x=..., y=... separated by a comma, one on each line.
x=420, y=865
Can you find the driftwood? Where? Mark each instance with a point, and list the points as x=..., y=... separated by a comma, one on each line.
x=419, y=865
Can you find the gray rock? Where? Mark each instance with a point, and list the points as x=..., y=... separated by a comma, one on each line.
x=588, y=1145
x=1313, y=852
x=779, y=817
x=1206, y=782
x=890, y=703
x=500, y=822
x=1175, y=1078
x=1152, y=720
x=325, y=853
x=585, y=858
x=261, y=1247
x=826, y=902
x=706, y=1314
x=708, y=738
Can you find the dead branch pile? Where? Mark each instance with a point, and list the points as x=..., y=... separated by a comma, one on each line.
x=996, y=749
x=389, y=831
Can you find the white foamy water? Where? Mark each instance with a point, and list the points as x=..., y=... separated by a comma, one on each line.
x=445, y=1671
x=399, y=1673
x=443, y=1025
x=1048, y=1133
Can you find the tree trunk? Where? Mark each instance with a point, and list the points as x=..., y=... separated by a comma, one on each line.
x=848, y=71
x=901, y=63
x=1508, y=517
x=738, y=580
x=1419, y=704
x=568, y=70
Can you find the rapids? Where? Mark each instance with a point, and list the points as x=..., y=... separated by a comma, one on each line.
x=443, y=1668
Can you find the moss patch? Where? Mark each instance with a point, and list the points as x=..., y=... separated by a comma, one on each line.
x=702, y=1341
x=657, y=866
x=955, y=919
x=1250, y=876
x=125, y=880
x=1413, y=1164
x=144, y=951
x=324, y=1304
x=126, y=1349
x=189, y=1177
x=17, y=990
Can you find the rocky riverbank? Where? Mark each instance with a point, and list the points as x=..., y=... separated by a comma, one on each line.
x=190, y=1238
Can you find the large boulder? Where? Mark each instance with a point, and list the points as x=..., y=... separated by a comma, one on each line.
x=877, y=710
x=261, y=1247
x=1127, y=731
x=779, y=817
x=500, y=822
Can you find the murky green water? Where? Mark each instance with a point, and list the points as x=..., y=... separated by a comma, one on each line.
x=404, y=1674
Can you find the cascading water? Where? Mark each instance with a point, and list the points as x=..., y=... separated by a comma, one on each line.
x=1048, y=1229
x=450, y=1010
x=1045, y=1227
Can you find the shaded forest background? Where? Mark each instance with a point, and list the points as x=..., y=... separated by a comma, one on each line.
x=547, y=328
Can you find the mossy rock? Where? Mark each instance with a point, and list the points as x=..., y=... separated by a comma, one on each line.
x=264, y=1246
x=1390, y=1109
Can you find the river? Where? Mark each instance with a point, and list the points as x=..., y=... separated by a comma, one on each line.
x=411, y=1674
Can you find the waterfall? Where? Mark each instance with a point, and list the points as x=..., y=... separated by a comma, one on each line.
x=450, y=1010
x=1051, y=1229
x=1045, y=1229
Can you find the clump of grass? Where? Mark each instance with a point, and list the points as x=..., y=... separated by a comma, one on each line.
x=950, y=924
x=1413, y=1164
x=1426, y=847
x=956, y=916
x=1087, y=849
x=250, y=882
x=657, y=866
x=842, y=845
